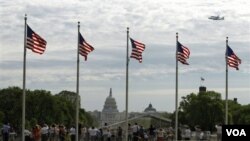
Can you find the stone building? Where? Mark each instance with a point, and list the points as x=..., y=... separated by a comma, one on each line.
x=109, y=113
x=150, y=109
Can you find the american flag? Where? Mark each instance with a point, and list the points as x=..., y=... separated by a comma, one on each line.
x=232, y=59
x=34, y=42
x=137, y=49
x=183, y=53
x=84, y=47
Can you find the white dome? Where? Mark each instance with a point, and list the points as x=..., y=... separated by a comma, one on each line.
x=110, y=104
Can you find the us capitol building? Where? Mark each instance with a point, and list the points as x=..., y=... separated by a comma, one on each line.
x=110, y=113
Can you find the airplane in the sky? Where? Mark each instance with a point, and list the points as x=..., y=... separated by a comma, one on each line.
x=216, y=18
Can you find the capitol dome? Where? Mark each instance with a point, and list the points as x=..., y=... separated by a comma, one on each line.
x=150, y=108
x=110, y=104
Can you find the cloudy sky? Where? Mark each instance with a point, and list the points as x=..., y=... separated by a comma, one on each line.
x=103, y=25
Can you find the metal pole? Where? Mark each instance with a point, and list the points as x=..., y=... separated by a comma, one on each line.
x=226, y=118
x=77, y=85
x=176, y=90
x=24, y=77
x=127, y=63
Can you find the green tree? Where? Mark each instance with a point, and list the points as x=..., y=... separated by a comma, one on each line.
x=233, y=108
x=242, y=115
x=41, y=107
x=10, y=105
x=204, y=109
x=1, y=117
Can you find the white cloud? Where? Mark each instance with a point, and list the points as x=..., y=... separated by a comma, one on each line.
x=103, y=25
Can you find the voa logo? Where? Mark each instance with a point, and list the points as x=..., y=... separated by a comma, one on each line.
x=236, y=132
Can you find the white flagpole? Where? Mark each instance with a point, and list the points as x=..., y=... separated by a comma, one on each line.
x=77, y=85
x=127, y=65
x=226, y=97
x=24, y=77
x=176, y=90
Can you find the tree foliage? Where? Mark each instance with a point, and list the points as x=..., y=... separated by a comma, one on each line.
x=242, y=115
x=204, y=109
x=207, y=109
x=41, y=107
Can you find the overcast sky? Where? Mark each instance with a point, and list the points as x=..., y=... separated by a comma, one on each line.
x=103, y=25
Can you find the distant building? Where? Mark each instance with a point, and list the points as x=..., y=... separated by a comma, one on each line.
x=96, y=114
x=150, y=116
x=202, y=89
x=109, y=113
x=235, y=100
x=112, y=116
x=150, y=109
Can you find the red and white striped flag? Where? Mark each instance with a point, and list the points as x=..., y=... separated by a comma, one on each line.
x=232, y=59
x=84, y=47
x=35, y=42
x=137, y=49
x=183, y=53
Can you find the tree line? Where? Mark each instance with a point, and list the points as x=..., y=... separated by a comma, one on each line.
x=206, y=109
x=41, y=107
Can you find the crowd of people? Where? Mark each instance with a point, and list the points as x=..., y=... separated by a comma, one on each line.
x=61, y=133
x=8, y=133
x=106, y=133
x=139, y=133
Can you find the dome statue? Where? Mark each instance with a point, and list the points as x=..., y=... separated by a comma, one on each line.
x=110, y=104
x=150, y=108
